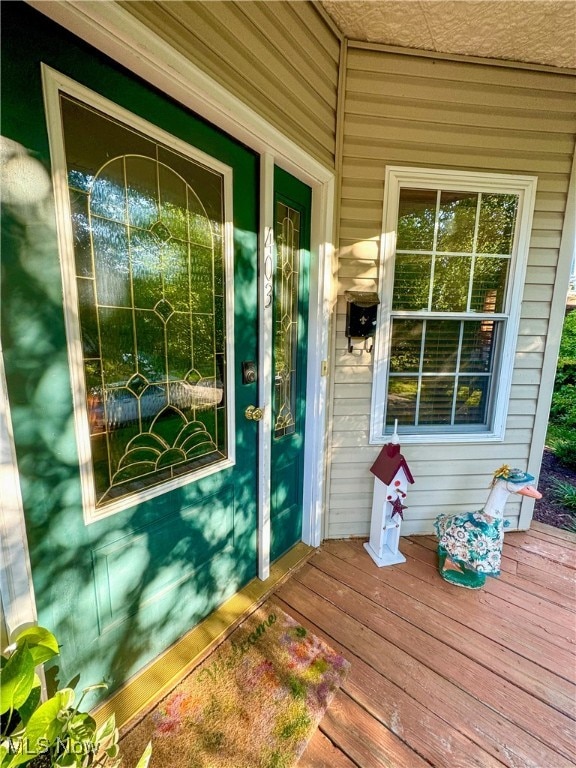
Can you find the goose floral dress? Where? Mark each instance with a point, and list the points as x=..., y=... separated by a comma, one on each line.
x=473, y=540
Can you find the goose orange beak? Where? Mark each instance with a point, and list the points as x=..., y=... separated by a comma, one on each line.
x=531, y=492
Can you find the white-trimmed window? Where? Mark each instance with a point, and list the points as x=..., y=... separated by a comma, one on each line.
x=453, y=262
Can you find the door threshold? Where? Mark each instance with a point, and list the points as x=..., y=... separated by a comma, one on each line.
x=139, y=695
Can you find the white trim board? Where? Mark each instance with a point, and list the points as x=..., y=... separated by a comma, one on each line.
x=16, y=589
x=265, y=335
x=555, y=323
x=113, y=31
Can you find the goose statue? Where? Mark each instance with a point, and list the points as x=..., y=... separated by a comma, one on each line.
x=470, y=544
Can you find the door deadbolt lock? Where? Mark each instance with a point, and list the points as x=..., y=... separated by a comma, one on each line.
x=253, y=413
x=249, y=372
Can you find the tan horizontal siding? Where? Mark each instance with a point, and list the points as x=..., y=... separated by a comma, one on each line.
x=282, y=62
x=535, y=309
x=543, y=257
x=457, y=452
x=436, y=484
x=406, y=110
x=456, y=91
x=529, y=359
x=306, y=17
x=536, y=292
x=452, y=115
x=457, y=73
x=366, y=153
x=349, y=530
x=523, y=420
x=370, y=131
x=522, y=407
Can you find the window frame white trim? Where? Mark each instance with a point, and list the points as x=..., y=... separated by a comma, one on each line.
x=55, y=84
x=398, y=177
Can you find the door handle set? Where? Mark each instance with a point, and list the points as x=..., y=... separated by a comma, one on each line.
x=253, y=413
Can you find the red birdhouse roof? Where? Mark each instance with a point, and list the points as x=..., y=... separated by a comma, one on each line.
x=389, y=461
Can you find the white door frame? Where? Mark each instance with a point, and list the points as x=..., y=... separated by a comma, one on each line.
x=16, y=590
x=116, y=33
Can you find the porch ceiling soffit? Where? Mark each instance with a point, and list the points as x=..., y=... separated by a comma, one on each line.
x=531, y=31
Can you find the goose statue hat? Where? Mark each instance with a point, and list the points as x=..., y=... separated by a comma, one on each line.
x=512, y=475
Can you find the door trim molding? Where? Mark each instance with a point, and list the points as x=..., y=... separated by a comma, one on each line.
x=16, y=588
x=265, y=335
x=112, y=30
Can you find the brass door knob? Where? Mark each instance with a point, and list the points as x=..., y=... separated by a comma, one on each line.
x=253, y=413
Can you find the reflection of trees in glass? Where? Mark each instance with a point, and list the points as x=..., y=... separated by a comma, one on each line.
x=489, y=284
x=452, y=276
x=401, y=403
x=471, y=400
x=478, y=340
x=461, y=283
x=496, y=224
x=436, y=398
x=416, y=218
x=451, y=282
x=411, y=282
x=456, y=220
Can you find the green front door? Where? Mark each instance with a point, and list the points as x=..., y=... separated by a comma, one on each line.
x=290, y=322
x=138, y=467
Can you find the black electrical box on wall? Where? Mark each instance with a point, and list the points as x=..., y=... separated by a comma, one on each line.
x=361, y=314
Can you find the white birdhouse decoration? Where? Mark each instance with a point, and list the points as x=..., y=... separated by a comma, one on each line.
x=390, y=490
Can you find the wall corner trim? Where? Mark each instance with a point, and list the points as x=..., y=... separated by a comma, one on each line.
x=557, y=309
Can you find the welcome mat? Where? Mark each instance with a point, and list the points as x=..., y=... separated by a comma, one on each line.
x=254, y=703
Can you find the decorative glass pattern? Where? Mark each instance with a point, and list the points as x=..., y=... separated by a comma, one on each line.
x=453, y=255
x=286, y=318
x=147, y=224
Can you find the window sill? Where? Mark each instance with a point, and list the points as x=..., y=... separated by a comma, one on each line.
x=447, y=439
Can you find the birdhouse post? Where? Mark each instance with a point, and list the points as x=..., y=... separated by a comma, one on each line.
x=392, y=477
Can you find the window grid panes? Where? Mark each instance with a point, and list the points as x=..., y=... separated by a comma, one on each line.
x=451, y=270
x=147, y=226
x=440, y=371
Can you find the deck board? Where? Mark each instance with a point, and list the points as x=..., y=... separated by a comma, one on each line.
x=532, y=580
x=479, y=646
x=443, y=676
x=419, y=558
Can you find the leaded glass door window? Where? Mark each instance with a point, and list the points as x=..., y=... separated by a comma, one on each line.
x=150, y=271
x=286, y=318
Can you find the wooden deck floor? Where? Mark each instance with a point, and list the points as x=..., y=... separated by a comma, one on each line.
x=445, y=676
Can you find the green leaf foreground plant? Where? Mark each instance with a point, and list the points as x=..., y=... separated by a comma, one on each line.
x=54, y=732
x=561, y=437
x=565, y=493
